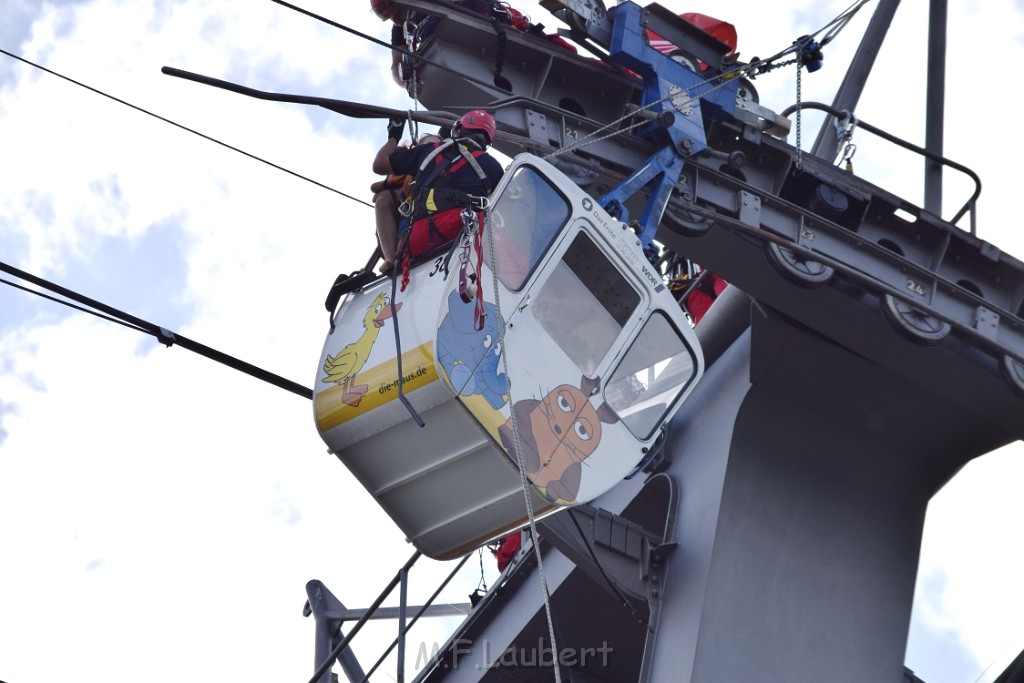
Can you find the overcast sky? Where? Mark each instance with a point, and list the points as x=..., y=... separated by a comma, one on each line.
x=160, y=514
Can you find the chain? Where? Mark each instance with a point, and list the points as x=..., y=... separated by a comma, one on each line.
x=799, y=109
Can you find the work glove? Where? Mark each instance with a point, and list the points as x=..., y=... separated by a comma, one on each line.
x=396, y=128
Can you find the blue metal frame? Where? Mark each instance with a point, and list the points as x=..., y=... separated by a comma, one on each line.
x=677, y=133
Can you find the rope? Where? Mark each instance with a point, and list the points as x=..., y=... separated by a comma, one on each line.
x=840, y=22
x=589, y=139
x=377, y=41
x=516, y=445
x=482, y=584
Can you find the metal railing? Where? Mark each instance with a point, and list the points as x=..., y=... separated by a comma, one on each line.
x=375, y=611
x=969, y=206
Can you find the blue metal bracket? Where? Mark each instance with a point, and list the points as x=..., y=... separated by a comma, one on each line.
x=663, y=167
x=673, y=95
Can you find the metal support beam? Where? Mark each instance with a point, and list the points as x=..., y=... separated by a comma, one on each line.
x=403, y=594
x=935, y=116
x=325, y=607
x=459, y=609
x=853, y=83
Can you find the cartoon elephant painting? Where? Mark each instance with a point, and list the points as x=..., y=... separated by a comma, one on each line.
x=552, y=437
x=471, y=358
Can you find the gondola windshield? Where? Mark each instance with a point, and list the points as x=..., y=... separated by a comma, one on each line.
x=524, y=220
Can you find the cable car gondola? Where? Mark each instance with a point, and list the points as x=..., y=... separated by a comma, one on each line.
x=544, y=347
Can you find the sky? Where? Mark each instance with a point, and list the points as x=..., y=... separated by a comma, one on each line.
x=161, y=513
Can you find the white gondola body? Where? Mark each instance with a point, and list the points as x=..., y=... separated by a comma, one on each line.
x=580, y=357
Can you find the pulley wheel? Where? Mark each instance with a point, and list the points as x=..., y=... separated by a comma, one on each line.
x=797, y=269
x=915, y=325
x=686, y=223
x=1013, y=371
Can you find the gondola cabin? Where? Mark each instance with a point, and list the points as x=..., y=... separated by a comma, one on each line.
x=544, y=344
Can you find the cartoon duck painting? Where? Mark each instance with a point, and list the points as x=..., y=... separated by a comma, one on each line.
x=343, y=367
x=554, y=435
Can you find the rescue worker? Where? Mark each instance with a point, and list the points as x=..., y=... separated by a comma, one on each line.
x=391, y=192
x=507, y=548
x=446, y=176
x=704, y=294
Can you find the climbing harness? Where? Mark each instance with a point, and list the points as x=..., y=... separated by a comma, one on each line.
x=430, y=194
x=425, y=195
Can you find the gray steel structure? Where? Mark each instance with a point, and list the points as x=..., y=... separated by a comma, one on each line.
x=858, y=361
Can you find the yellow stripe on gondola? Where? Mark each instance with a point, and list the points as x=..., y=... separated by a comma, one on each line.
x=382, y=387
x=489, y=418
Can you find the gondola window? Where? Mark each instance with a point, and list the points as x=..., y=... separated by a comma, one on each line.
x=584, y=304
x=524, y=221
x=654, y=372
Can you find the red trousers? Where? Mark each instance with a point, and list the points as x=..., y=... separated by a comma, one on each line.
x=447, y=225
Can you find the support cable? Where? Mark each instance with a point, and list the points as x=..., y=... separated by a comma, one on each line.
x=164, y=336
x=64, y=302
x=183, y=127
x=378, y=41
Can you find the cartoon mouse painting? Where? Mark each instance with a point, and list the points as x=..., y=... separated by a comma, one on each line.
x=555, y=435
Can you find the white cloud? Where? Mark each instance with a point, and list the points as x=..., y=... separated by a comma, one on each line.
x=166, y=509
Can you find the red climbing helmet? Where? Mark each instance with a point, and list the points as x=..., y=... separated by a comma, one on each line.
x=383, y=9
x=477, y=119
